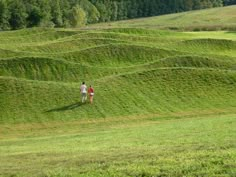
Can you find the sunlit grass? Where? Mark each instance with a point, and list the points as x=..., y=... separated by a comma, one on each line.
x=201, y=20
x=153, y=146
x=164, y=101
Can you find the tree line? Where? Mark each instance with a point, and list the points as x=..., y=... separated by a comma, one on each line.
x=17, y=14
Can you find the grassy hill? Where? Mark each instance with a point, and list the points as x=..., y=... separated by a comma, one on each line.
x=133, y=71
x=206, y=20
x=164, y=100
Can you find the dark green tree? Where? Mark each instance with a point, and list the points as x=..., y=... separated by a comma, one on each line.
x=34, y=17
x=114, y=10
x=66, y=7
x=56, y=13
x=122, y=12
x=217, y=3
x=4, y=15
x=45, y=9
x=104, y=15
x=18, y=14
x=188, y=5
x=133, y=9
x=229, y=2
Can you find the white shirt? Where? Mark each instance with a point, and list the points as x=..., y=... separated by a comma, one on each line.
x=83, y=88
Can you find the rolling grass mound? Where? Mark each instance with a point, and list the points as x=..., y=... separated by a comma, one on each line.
x=173, y=90
x=4, y=54
x=194, y=62
x=68, y=45
x=222, y=48
x=134, y=71
x=209, y=46
x=117, y=55
x=26, y=36
x=137, y=35
x=141, y=32
x=39, y=33
x=50, y=69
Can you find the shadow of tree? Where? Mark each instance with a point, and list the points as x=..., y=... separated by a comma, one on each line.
x=66, y=108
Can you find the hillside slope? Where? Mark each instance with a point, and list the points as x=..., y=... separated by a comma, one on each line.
x=222, y=18
x=134, y=71
x=164, y=101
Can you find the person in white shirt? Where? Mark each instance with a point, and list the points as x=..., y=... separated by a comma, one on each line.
x=83, y=91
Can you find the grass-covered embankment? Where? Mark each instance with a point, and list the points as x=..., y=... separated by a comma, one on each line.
x=134, y=71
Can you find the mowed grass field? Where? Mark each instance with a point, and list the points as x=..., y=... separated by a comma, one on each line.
x=131, y=146
x=164, y=101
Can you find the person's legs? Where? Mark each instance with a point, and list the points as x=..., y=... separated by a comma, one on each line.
x=84, y=98
x=91, y=99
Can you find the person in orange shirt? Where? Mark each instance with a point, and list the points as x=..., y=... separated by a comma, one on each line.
x=91, y=94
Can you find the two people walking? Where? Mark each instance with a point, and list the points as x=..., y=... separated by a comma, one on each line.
x=83, y=91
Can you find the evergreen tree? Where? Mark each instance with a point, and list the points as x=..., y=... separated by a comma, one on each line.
x=4, y=15
x=197, y=4
x=229, y=2
x=153, y=8
x=188, y=5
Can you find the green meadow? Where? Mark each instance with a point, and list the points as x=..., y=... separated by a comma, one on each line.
x=221, y=18
x=164, y=101
x=128, y=146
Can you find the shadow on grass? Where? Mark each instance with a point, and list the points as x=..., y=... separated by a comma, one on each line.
x=67, y=108
x=232, y=32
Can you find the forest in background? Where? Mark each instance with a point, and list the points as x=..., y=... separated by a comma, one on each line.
x=18, y=14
